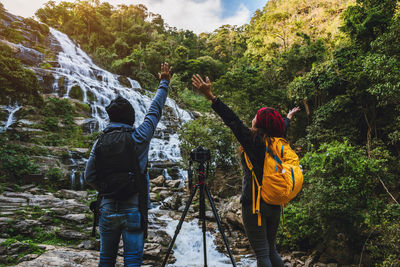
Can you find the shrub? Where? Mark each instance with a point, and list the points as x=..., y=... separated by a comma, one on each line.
x=54, y=174
x=14, y=164
x=341, y=195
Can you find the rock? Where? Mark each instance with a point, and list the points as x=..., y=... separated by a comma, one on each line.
x=163, y=164
x=12, y=200
x=311, y=259
x=17, y=248
x=90, y=125
x=90, y=244
x=197, y=114
x=174, y=202
x=175, y=173
x=25, y=226
x=28, y=257
x=152, y=251
x=81, y=151
x=3, y=249
x=165, y=193
x=77, y=218
x=71, y=234
x=159, y=181
x=67, y=257
x=80, y=195
x=59, y=211
x=124, y=81
x=286, y=258
x=210, y=216
x=155, y=172
x=4, y=226
x=154, y=197
x=46, y=219
x=158, y=189
x=46, y=80
x=298, y=254
x=27, y=55
x=159, y=237
x=27, y=187
x=173, y=183
x=231, y=212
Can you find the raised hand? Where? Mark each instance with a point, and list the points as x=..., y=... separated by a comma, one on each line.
x=292, y=112
x=166, y=72
x=203, y=87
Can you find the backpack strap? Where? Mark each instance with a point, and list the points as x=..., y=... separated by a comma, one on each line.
x=256, y=204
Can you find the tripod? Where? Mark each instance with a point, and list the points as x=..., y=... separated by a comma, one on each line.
x=202, y=176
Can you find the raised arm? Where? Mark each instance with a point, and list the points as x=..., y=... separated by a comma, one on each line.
x=241, y=131
x=146, y=130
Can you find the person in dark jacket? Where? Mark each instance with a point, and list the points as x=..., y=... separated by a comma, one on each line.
x=267, y=123
x=122, y=217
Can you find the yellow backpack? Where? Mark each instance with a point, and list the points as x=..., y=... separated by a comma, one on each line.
x=282, y=176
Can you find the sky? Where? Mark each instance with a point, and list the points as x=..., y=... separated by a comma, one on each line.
x=196, y=15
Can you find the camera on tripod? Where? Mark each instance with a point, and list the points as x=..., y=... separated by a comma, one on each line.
x=200, y=154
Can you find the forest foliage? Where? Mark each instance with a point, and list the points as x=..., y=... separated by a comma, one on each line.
x=338, y=60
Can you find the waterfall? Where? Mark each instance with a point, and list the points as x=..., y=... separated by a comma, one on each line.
x=99, y=87
x=189, y=246
x=11, y=109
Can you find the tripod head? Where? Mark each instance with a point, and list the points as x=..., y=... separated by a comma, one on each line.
x=202, y=156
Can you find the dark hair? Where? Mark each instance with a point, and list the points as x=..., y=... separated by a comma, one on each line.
x=258, y=132
x=121, y=110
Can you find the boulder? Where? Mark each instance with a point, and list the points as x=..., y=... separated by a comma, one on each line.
x=90, y=244
x=123, y=80
x=159, y=181
x=76, y=218
x=173, y=183
x=60, y=256
x=79, y=195
x=71, y=234
x=152, y=251
x=159, y=237
x=24, y=226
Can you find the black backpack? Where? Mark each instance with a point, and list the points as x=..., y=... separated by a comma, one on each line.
x=117, y=166
x=118, y=174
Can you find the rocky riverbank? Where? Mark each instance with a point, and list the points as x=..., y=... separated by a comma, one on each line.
x=41, y=228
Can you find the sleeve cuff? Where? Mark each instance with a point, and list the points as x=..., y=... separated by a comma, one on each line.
x=214, y=104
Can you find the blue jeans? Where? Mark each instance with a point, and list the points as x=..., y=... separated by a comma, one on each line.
x=118, y=218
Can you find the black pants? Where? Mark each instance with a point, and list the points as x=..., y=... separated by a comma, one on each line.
x=262, y=238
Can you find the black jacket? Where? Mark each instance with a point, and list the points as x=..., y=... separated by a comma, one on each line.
x=254, y=147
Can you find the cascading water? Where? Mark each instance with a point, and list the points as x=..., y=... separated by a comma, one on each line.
x=11, y=109
x=99, y=87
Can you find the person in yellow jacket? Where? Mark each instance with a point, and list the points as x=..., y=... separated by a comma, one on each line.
x=267, y=124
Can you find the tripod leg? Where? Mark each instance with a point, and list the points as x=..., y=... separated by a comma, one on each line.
x=202, y=217
x=178, y=228
x=220, y=228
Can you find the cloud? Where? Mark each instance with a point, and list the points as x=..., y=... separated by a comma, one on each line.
x=196, y=15
x=25, y=8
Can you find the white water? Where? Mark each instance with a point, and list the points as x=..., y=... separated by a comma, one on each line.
x=77, y=69
x=11, y=109
x=189, y=246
